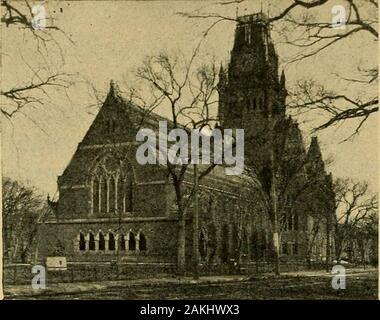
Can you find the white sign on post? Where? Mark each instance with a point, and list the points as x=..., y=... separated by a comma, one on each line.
x=56, y=263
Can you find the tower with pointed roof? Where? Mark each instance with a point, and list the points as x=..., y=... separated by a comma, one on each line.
x=252, y=96
x=251, y=92
x=251, y=85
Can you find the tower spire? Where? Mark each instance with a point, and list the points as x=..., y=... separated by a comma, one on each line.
x=222, y=78
x=282, y=79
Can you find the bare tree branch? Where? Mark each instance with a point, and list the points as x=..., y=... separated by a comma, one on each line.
x=314, y=35
x=354, y=204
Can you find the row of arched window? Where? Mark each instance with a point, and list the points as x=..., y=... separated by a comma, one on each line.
x=247, y=33
x=289, y=222
x=255, y=103
x=289, y=248
x=111, y=241
x=232, y=241
x=249, y=103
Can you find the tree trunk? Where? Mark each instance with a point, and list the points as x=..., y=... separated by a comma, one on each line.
x=196, y=227
x=308, y=254
x=339, y=246
x=181, y=250
x=15, y=250
x=328, y=244
x=24, y=254
x=276, y=240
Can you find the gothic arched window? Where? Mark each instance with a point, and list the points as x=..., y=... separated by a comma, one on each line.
x=112, y=186
x=142, y=242
x=103, y=195
x=82, y=242
x=120, y=195
x=112, y=194
x=295, y=248
x=110, y=126
x=247, y=33
x=284, y=248
x=111, y=241
x=91, y=241
x=102, y=242
x=95, y=195
x=131, y=241
x=129, y=196
x=122, y=242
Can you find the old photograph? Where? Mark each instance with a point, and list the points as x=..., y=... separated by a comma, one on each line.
x=208, y=150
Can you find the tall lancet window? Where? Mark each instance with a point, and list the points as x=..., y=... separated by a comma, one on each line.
x=102, y=241
x=82, y=242
x=112, y=194
x=122, y=242
x=103, y=194
x=131, y=241
x=120, y=195
x=247, y=33
x=126, y=195
x=95, y=195
x=129, y=196
x=111, y=241
x=91, y=241
x=111, y=186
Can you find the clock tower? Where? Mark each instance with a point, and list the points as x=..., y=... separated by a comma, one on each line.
x=251, y=92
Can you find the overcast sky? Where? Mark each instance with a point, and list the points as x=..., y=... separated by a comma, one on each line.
x=110, y=39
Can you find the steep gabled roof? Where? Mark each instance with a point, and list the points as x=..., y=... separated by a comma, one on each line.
x=116, y=123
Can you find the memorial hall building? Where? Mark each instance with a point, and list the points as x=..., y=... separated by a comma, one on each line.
x=110, y=208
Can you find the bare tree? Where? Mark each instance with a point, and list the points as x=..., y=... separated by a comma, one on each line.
x=354, y=203
x=189, y=93
x=35, y=90
x=22, y=207
x=296, y=181
x=302, y=25
x=366, y=239
x=310, y=96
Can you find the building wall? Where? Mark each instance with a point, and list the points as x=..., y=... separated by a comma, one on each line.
x=160, y=243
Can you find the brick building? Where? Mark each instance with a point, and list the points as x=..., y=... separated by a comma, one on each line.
x=111, y=208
